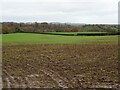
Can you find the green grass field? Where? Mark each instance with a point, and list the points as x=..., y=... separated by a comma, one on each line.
x=29, y=38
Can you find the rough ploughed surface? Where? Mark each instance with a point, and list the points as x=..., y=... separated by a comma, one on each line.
x=60, y=65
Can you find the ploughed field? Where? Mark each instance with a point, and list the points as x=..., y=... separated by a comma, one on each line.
x=60, y=65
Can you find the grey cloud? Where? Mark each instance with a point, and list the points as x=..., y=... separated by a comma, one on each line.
x=96, y=11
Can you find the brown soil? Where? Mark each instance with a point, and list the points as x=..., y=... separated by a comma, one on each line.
x=60, y=66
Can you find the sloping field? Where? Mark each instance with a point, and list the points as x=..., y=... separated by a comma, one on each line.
x=29, y=38
x=60, y=65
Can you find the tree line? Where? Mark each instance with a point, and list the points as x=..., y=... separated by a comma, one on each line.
x=13, y=27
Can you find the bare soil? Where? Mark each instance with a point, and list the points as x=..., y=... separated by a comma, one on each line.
x=60, y=66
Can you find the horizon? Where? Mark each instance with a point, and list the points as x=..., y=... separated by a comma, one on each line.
x=62, y=23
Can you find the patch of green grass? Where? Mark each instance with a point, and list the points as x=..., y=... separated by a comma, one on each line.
x=29, y=38
x=0, y=39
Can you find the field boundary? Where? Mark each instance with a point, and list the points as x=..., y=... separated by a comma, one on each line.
x=83, y=34
x=74, y=33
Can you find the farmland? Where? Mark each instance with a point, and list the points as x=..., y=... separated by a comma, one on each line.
x=58, y=61
x=29, y=38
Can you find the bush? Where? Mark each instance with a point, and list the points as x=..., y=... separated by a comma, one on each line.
x=74, y=29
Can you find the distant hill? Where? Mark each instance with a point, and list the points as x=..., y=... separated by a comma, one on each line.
x=74, y=24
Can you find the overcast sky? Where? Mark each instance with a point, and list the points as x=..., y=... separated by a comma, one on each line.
x=72, y=11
